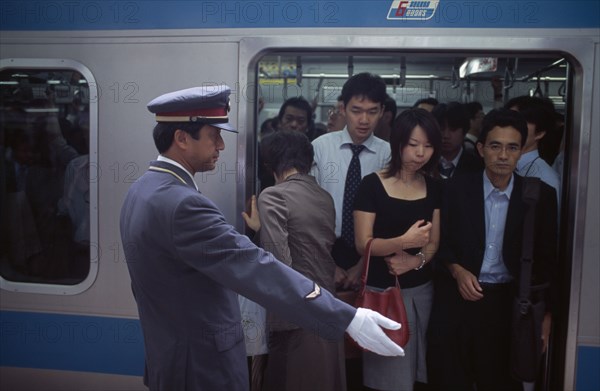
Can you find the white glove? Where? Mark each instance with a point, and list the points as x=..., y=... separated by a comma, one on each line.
x=365, y=329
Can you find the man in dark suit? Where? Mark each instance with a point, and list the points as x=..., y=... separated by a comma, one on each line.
x=187, y=265
x=453, y=119
x=479, y=262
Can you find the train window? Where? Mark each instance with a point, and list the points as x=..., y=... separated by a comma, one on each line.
x=410, y=76
x=45, y=182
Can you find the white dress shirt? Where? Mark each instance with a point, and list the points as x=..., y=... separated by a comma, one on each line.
x=332, y=158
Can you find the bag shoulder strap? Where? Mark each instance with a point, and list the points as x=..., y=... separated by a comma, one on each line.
x=365, y=272
x=531, y=194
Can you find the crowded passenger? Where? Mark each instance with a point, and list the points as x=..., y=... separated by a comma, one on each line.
x=549, y=144
x=540, y=121
x=426, y=103
x=453, y=121
x=297, y=225
x=476, y=114
x=384, y=127
x=399, y=207
x=335, y=117
x=479, y=262
x=343, y=158
x=297, y=114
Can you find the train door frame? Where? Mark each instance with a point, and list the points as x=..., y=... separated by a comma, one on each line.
x=579, y=51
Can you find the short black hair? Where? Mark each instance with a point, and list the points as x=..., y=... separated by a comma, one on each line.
x=403, y=127
x=525, y=102
x=268, y=126
x=365, y=85
x=428, y=101
x=473, y=108
x=286, y=149
x=452, y=115
x=391, y=106
x=543, y=119
x=503, y=118
x=299, y=103
x=164, y=132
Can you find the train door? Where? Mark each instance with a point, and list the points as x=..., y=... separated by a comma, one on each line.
x=448, y=75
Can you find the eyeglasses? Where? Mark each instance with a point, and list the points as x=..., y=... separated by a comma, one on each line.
x=497, y=148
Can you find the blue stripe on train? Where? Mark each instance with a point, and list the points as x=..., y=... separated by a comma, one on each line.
x=588, y=366
x=36, y=15
x=71, y=342
x=115, y=345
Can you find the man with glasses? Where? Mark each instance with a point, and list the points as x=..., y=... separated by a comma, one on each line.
x=479, y=262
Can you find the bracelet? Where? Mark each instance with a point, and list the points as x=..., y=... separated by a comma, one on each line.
x=423, y=260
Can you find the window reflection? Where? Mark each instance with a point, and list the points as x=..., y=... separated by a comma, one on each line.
x=44, y=182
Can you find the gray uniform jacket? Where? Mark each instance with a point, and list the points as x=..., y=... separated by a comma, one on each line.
x=186, y=265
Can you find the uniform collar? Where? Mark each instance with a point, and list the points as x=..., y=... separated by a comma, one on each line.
x=165, y=159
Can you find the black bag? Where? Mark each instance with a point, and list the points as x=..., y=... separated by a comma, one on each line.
x=529, y=306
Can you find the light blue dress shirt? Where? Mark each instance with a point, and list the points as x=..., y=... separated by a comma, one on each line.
x=532, y=165
x=496, y=202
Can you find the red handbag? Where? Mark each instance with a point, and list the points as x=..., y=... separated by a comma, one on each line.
x=388, y=303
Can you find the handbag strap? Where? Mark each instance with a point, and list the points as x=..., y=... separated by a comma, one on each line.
x=531, y=194
x=365, y=272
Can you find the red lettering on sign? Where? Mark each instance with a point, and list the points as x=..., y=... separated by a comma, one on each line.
x=401, y=8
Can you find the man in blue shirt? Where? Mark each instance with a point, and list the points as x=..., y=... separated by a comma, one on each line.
x=540, y=121
x=479, y=262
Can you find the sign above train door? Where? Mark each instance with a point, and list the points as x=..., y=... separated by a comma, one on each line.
x=412, y=10
x=37, y=15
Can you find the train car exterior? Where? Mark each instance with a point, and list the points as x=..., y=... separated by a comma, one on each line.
x=93, y=66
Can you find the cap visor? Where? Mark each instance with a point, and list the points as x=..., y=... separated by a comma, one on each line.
x=225, y=126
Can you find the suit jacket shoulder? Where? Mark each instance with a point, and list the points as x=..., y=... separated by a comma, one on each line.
x=469, y=163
